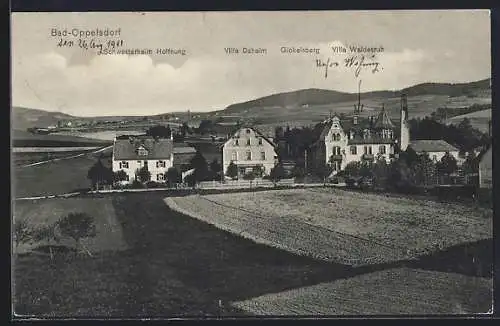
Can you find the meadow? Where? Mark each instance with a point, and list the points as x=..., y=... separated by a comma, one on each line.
x=342, y=226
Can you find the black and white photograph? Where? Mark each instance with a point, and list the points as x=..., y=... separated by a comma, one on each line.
x=235, y=164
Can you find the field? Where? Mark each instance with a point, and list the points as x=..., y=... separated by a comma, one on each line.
x=55, y=177
x=479, y=119
x=336, y=225
x=26, y=139
x=157, y=263
x=150, y=261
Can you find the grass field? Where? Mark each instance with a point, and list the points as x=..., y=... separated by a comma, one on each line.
x=26, y=139
x=337, y=225
x=149, y=261
x=54, y=177
x=169, y=265
x=479, y=119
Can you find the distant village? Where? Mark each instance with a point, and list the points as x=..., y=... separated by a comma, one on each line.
x=375, y=152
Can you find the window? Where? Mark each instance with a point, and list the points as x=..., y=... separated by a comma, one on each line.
x=354, y=150
x=335, y=125
x=351, y=134
x=142, y=152
x=160, y=177
x=365, y=149
x=260, y=141
x=249, y=156
x=370, y=150
x=160, y=164
x=434, y=157
x=263, y=156
x=234, y=156
x=139, y=162
x=335, y=166
x=336, y=150
x=381, y=149
x=366, y=133
x=236, y=142
x=248, y=142
x=127, y=178
x=124, y=165
x=248, y=131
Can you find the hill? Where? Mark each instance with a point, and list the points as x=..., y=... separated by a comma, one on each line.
x=23, y=118
x=317, y=103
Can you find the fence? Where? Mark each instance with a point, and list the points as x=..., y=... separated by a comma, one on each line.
x=244, y=184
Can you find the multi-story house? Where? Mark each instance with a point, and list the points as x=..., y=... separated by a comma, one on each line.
x=355, y=139
x=248, y=148
x=131, y=153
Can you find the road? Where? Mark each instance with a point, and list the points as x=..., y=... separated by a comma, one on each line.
x=67, y=158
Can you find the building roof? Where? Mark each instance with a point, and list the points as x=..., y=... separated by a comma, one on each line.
x=431, y=146
x=383, y=121
x=258, y=133
x=157, y=148
x=184, y=150
x=348, y=125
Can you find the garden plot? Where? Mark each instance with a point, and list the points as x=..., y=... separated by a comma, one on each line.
x=39, y=213
x=347, y=227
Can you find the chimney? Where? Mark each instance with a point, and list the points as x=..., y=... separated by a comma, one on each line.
x=404, y=138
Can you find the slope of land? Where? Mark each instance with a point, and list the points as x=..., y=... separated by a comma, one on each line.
x=341, y=226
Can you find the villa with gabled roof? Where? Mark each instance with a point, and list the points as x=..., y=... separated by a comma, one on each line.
x=357, y=139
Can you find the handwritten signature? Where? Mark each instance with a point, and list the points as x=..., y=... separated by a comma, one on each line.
x=356, y=62
x=101, y=46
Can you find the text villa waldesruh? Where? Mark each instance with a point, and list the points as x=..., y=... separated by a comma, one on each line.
x=357, y=49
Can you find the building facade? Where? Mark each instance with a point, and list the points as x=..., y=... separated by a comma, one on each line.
x=131, y=153
x=353, y=140
x=343, y=141
x=248, y=148
x=486, y=170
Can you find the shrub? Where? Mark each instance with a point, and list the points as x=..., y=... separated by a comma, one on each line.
x=77, y=226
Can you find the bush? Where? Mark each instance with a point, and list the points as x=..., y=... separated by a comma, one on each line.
x=77, y=226
x=136, y=185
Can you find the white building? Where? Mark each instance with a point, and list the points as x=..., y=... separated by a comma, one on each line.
x=131, y=153
x=355, y=139
x=248, y=148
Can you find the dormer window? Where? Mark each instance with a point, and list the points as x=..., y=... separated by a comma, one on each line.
x=141, y=151
x=351, y=134
x=366, y=133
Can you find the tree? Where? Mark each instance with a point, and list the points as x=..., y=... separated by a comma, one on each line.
x=258, y=171
x=159, y=131
x=324, y=171
x=143, y=174
x=215, y=166
x=184, y=130
x=205, y=126
x=298, y=172
x=200, y=166
x=100, y=175
x=120, y=176
x=232, y=170
x=77, y=226
x=448, y=164
x=173, y=176
x=22, y=232
x=277, y=173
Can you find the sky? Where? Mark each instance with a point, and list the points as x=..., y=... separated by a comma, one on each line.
x=418, y=46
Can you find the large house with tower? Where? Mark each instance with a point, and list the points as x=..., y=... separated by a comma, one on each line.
x=359, y=139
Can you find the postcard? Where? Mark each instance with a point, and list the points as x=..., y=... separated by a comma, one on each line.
x=266, y=164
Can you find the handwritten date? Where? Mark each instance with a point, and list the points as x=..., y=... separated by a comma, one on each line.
x=92, y=44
